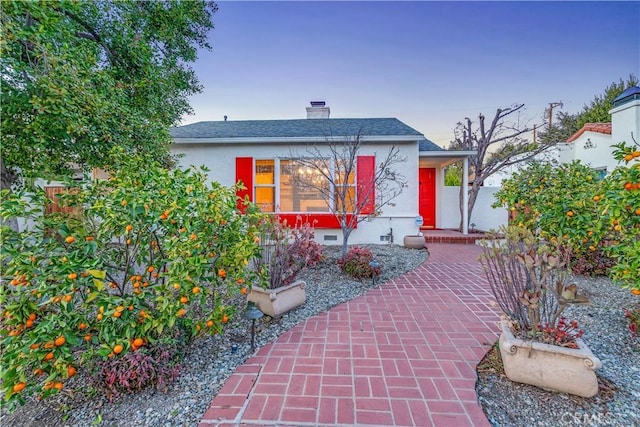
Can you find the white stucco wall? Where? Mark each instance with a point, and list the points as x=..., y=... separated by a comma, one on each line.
x=399, y=215
x=483, y=216
x=594, y=149
x=625, y=120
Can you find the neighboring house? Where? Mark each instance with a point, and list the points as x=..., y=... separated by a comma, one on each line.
x=259, y=153
x=592, y=144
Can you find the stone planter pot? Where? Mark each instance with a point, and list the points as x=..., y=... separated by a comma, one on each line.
x=550, y=367
x=275, y=302
x=414, y=242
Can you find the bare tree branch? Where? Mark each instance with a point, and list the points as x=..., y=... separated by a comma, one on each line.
x=478, y=137
x=335, y=178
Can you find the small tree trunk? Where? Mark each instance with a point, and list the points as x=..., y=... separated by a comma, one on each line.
x=473, y=195
x=7, y=177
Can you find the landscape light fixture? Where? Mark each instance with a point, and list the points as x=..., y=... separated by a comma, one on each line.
x=375, y=265
x=253, y=313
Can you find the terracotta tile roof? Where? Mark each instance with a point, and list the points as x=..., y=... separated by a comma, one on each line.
x=592, y=127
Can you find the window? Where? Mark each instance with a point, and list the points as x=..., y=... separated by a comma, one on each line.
x=302, y=188
x=287, y=186
x=265, y=185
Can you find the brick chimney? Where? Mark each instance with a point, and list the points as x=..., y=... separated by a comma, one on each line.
x=318, y=110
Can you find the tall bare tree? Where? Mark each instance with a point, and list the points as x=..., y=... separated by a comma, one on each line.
x=498, y=143
x=332, y=172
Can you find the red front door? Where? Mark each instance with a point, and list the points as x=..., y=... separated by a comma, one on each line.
x=427, y=196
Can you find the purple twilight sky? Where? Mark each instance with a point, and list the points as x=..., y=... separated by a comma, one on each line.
x=429, y=64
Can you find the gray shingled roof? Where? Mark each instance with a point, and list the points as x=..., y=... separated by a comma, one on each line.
x=426, y=145
x=300, y=128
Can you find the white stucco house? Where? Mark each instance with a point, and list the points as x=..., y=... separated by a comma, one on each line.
x=592, y=144
x=259, y=153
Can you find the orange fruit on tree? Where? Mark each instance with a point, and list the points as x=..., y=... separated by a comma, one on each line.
x=184, y=300
x=50, y=344
x=71, y=371
x=222, y=273
x=570, y=213
x=209, y=323
x=88, y=238
x=243, y=291
x=73, y=276
x=193, y=237
x=119, y=308
x=138, y=342
x=28, y=323
x=117, y=349
x=635, y=291
x=48, y=356
x=128, y=228
x=58, y=385
x=628, y=157
x=181, y=312
x=37, y=372
x=195, y=290
x=67, y=298
x=34, y=346
x=99, y=316
x=150, y=269
x=628, y=185
x=123, y=203
x=32, y=316
x=70, y=239
x=225, y=318
x=17, y=388
x=60, y=341
x=176, y=286
x=82, y=326
x=117, y=314
x=637, y=211
x=87, y=337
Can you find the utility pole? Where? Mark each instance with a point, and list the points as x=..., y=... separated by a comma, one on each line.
x=553, y=105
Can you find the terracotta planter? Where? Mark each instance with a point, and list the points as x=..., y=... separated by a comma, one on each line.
x=414, y=242
x=275, y=302
x=550, y=367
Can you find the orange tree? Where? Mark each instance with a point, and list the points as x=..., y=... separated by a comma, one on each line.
x=570, y=203
x=619, y=210
x=154, y=250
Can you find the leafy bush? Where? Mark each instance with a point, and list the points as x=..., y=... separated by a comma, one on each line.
x=569, y=201
x=286, y=252
x=592, y=262
x=633, y=316
x=356, y=263
x=152, y=248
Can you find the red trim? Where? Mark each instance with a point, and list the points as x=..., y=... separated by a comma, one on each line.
x=366, y=167
x=316, y=220
x=244, y=173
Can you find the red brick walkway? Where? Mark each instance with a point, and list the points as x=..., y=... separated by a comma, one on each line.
x=400, y=355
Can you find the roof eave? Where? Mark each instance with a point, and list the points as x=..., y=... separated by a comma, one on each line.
x=449, y=153
x=295, y=140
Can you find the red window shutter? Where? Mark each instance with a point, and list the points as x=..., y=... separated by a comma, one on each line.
x=244, y=173
x=365, y=173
